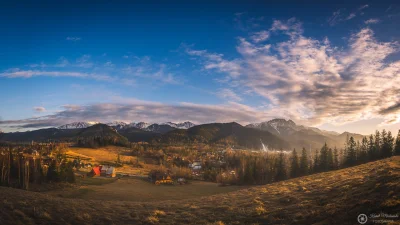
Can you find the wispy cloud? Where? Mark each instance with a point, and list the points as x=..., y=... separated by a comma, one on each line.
x=39, y=109
x=18, y=73
x=311, y=81
x=372, y=21
x=84, y=61
x=340, y=15
x=228, y=94
x=73, y=38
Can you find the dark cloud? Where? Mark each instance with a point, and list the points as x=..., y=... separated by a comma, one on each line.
x=389, y=110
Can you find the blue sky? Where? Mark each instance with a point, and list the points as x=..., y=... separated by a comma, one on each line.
x=328, y=65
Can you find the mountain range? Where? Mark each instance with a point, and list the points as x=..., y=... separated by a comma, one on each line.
x=118, y=125
x=275, y=134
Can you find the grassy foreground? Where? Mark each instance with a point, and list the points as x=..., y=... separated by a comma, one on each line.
x=336, y=197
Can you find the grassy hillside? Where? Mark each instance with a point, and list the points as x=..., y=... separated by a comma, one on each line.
x=336, y=197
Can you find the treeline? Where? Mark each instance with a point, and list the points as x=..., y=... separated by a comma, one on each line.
x=102, y=141
x=22, y=166
x=247, y=168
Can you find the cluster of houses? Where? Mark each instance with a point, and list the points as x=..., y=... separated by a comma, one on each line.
x=104, y=171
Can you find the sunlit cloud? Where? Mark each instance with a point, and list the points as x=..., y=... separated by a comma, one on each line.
x=39, y=109
x=314, y=82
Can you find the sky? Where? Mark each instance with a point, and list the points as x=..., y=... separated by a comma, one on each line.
x=335, y=66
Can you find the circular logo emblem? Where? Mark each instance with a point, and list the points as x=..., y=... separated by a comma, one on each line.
x=362, y=218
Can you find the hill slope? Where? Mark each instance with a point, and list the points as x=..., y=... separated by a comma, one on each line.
x=233, y=134
x=336, y=197
x=301, y=136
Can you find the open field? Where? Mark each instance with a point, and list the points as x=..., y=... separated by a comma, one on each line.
x=108, y=155
x=336, y=197
x=137, y=189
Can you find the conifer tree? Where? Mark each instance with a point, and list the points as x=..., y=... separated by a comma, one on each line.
x=364, y=150
x=323, y=158
x=377, y=148
x=316, y=163
x=335, y=158
x=397, y=145
x=371, y=148
x=383, y=142
x=351, y=152
x=280, y=168
x=304, y=167
x=294, y=167
x=387, y=145
x=330, y=159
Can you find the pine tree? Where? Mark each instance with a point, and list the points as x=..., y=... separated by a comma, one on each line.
x=371, y=148
x=294, y=167
x=397, y=146
x=316, y=163
x=383, y=144
x=335, y=158
x=323, y=158
x=330, y=159
x=387, y=144
x=280, y=168
x=351, y=152
x=364, y=150
x=304, y=167
x=377, y=148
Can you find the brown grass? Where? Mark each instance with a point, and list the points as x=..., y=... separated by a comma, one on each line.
x=336, y=197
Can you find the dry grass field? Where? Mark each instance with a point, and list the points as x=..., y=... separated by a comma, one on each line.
x=109, y=154
x=336, y=197
x=137, y=189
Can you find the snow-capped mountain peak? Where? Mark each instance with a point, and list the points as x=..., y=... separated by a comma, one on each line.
x=77, y=125
x=184, y=125
x=140, y=125
x=117, y=125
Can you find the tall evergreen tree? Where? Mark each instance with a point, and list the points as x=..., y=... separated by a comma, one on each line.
x=335, y=158
x=304, y=167
x=294, y=165
x=316, y=163
x=351, y=152
x=363, y=150
x=281, y=168
x=397, y=145
x=377, y=148
x=330, y=159
x=323, y=158
x=371, y=148
x=383, y=143
x=387, y=145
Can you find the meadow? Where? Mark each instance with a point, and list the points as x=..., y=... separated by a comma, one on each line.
x=138, y=190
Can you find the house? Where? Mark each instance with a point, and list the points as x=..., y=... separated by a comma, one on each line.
x=111, y=172
x=95, y=171
x=196, y=166
x=103, y=170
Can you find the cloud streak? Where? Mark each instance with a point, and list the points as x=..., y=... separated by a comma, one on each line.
x=136, y=110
